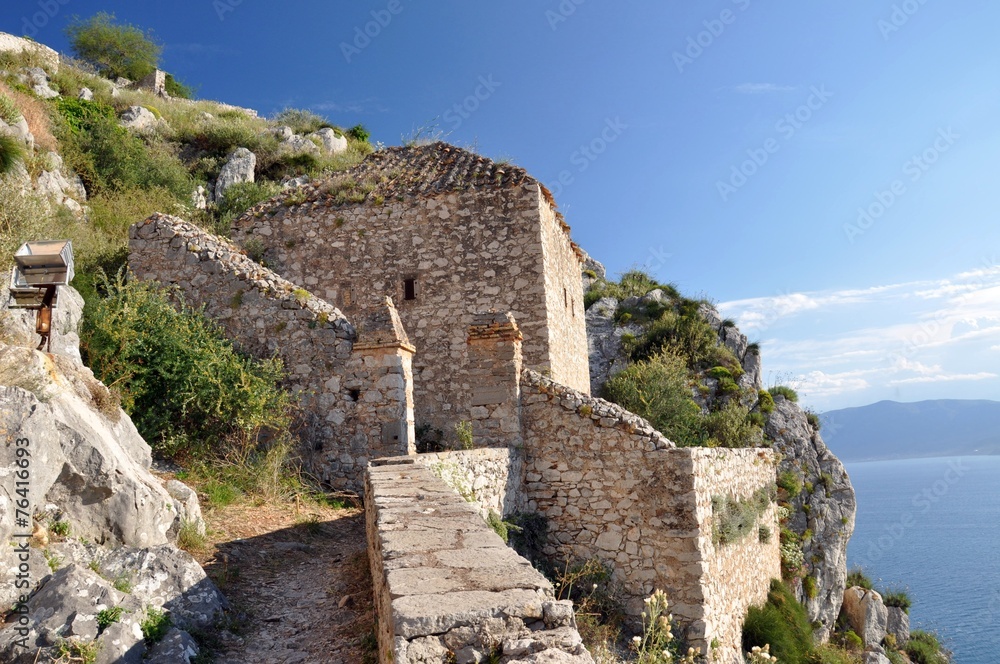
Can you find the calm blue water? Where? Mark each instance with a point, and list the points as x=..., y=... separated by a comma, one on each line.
x=933, y=527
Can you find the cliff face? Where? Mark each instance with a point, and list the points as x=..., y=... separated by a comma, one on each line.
x=825, y=509
x=822, y=514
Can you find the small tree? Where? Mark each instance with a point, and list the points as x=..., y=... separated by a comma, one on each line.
x=117, y=49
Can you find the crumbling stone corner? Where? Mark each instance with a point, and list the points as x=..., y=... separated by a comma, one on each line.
x=495, y=372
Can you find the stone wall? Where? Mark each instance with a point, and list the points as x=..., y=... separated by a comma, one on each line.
x=355, y=393
x=462, y=251
x=494, y=368
x=447, y=589
x=613, y=488
x=491, y=479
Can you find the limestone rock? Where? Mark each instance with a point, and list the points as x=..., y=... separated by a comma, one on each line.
x=832, y=507
x=139, y=118
x=20, y=324
x=38, y=81
x=239, y=168
x=331, y=142
x=866, y=614
x=299, y=145
x=187, y=505
x=875, y=658
x=66, y=607
x=282, y=133
x=604, y=341
x=199, y=198
x=163, y=576
x=177, y=647
x=19, y=130
x=898, y=624
x=86, y=94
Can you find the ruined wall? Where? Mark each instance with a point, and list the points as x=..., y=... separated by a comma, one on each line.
x=564, y=302
x=491, y=479
x=446, y=586
x=467, y=251
x=348, y=392
x=612, y=487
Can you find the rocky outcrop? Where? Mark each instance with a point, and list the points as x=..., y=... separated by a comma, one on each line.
x=898, y=624
x=825, y=507
x=866, y=614
x=729, y=336
x=37, y=79
x=87, y=468
x=139, y=118
x=604, y=342
x=239, y=168
x=330, y=141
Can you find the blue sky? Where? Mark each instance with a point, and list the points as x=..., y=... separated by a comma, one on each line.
x=825, y=172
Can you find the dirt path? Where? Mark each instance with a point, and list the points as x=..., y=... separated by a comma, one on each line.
x=298, y=583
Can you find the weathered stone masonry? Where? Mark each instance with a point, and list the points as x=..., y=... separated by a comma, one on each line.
x=353, y=391
x=445, y=584
x=447, y=234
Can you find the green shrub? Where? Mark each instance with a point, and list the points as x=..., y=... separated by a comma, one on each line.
x=733, y=520
x=176, y=88
x=463, y=431
x=155, y=625
x=12, y=153
x=731, y=427
x=765, y=402
x=108, y=617
x=501, y=527
x=857, y=577
x=60, y=528
x=189, y=538
x=720, y=373
x=790, y=482
x=117, y=49
x=852, y=641
x=898, y=598
x=242, y=196
x=782, y=622
x=813, y=420
x=302, y=121
x=810, y=587
x=830, y=654
x=359, y=133
x=9, y=111
x=184, y=385
x=784, y=391
x=659, y=390
x=764, y=534
x=924, y=648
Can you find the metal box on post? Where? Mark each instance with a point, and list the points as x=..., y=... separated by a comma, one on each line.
x=39, y=269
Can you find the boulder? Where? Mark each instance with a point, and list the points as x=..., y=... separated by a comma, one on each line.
x=139, y=118
x=86, y=94
x=19, y=130
x=164, y=576
x=898, y=624
x=239, y=168
x=832, y=507
x=38, y=80
x=299, y=145
x=331, y=142
x=866, y=614
x=177, y=647
x=19, y=325
x=281, y=133
x=187, y=505
x=66, y=607
x=875, y=658
x=199, y=198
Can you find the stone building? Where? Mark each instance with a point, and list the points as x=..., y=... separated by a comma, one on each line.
x=446, y=234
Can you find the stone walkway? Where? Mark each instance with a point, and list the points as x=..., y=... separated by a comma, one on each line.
x=298, y=584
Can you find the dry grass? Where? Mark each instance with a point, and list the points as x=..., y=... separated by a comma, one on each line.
x=36, y=113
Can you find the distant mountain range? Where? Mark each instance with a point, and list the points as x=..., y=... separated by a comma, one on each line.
x=892, y=430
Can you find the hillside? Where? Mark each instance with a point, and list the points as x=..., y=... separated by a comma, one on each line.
x=892, y=430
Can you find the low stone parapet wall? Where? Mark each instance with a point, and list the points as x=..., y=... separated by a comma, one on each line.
x=447, y=589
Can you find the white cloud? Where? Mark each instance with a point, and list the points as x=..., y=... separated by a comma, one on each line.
x=762, y=88
x=943, y=378
x=821, y=384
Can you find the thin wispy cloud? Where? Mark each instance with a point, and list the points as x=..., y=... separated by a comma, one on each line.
x=762, y=88
x=943, y=378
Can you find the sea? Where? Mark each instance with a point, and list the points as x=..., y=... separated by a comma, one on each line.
x=932, y=527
